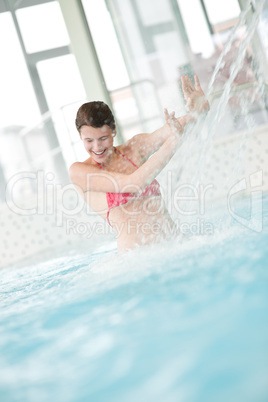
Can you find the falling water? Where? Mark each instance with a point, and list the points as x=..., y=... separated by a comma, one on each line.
x=198, y=140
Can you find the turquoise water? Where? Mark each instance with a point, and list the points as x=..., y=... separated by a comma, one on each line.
x=174, y=322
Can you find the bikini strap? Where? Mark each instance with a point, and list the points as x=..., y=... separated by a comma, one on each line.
x=125, y=157
x=98, y=163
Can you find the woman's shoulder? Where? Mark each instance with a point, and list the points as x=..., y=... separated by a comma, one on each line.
x=76, y=167
x=131, y=149
x=88, y=162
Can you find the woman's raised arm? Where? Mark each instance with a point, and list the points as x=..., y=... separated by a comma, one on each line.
x=92, y=178
x=196, y=103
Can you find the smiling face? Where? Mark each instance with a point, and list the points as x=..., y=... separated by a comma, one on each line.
x=98, y=142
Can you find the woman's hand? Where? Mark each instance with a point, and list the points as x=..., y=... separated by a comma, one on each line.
x=174, y=124
x=196, y=102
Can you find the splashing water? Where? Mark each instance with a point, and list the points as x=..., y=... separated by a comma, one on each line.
x=196, y=151
x=183, y=321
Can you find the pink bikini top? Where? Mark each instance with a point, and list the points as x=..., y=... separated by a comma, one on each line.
x=116, y=199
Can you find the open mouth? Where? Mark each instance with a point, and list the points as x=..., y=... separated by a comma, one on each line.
x=99, y=153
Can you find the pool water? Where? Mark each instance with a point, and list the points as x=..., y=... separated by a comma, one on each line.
x=173, y=322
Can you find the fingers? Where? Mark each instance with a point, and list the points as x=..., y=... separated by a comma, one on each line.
x=167, y=116
x=190, y=83
x=173, y=122
x=187, y=85
x=197, y=83
x=185, y=89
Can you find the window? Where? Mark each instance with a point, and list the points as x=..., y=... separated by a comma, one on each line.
x=42, y=27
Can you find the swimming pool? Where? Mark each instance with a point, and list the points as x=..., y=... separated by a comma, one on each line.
x=173, y=322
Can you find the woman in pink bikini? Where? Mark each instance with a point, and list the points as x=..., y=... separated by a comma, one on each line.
x=119, y=182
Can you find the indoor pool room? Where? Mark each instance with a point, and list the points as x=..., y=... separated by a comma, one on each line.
x=134, y=201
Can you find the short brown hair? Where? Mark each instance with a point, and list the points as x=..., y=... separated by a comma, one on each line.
x=95, y=114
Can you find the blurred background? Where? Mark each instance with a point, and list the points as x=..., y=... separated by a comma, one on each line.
x=55, y=55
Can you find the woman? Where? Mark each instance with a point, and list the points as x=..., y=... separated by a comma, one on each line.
x=119, y=182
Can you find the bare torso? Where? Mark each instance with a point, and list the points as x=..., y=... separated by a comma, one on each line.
x=142, y=220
